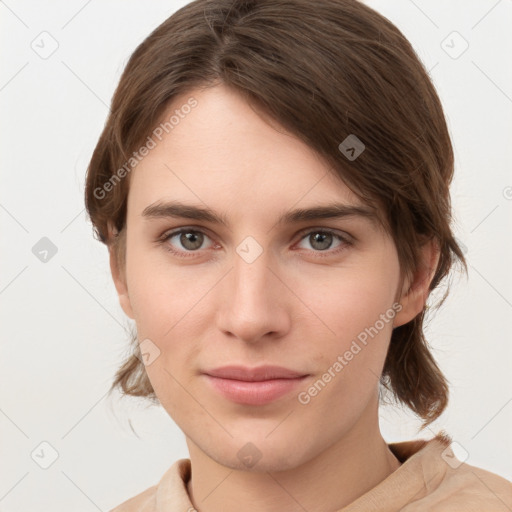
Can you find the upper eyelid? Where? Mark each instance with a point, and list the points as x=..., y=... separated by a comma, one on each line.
x=334, y=231
x=172, y=232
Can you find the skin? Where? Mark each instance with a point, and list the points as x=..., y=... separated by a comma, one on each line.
x=295, y=305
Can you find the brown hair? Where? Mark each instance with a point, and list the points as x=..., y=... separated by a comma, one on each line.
x=324, y=70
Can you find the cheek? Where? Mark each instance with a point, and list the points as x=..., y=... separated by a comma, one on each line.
x=353, y=301
x=160, y=293
x=350, y=362
x=167, y=301
x=356, y=316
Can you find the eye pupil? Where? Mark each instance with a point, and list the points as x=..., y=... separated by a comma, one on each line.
x=321, y=238
x=191, y=240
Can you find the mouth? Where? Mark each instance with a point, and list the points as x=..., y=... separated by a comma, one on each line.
x=254, y=386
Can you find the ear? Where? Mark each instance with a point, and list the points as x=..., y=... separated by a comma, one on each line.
x=119, y=277
x=415, y=290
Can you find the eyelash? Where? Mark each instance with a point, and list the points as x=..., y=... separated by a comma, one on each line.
x=324, y=231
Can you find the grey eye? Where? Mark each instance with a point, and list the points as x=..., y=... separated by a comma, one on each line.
x=191, y=240
x=321, y=241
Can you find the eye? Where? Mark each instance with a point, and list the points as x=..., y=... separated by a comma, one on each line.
x=185, y=240
x=321, y=240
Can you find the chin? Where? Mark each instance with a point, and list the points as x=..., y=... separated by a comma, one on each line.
x=259, y=455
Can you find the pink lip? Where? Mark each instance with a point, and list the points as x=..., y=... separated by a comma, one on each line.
x=254, y=386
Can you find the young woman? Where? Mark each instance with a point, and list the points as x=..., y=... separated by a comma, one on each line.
x=273, y=187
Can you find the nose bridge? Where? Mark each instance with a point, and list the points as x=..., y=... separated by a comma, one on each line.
x=252, y=274
x=251, y=309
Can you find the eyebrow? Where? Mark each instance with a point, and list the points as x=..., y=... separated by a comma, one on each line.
x=176, y=209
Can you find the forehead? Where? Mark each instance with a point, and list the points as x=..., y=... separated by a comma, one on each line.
x=224, y=153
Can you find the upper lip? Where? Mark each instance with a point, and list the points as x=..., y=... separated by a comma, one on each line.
x=254, y=374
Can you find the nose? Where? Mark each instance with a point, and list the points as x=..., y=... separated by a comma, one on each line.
x=255, y=301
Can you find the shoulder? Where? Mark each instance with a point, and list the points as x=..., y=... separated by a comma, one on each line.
x=143, y=502
x=451, y=485
x=169, y=494
x=472, y=487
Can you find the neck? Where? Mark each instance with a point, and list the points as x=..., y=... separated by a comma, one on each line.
x=331, y=480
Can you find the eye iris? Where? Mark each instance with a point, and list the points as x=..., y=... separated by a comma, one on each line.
x=191, y=240
x=321, y=237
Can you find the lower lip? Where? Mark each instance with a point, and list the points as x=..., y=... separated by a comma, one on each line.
x=254, y=393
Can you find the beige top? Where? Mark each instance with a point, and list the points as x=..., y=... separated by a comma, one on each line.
x=430, y=479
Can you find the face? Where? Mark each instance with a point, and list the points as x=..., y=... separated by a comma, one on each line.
x=313, y=295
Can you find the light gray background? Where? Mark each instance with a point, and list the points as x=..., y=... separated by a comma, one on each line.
x=62, y=328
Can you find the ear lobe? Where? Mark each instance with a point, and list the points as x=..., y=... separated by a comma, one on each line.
x=416, y=290
x=119, y=279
